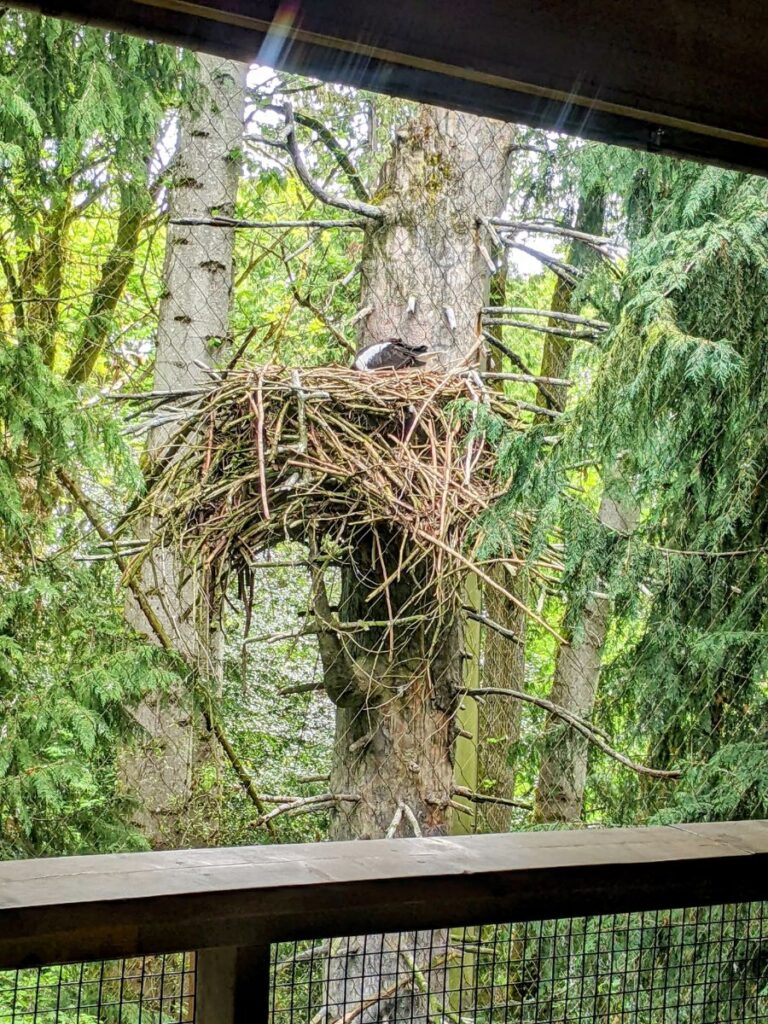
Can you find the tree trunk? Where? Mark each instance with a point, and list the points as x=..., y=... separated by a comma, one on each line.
x=504, y=659
x=426, y=280
x=563, y=772
x=193, y=329
x=498, y=718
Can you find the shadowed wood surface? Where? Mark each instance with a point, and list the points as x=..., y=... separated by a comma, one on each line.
x=679, y=77
x=80, y=908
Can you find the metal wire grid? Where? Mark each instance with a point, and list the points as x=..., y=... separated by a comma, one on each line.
x=693, y=966
x=141, y=990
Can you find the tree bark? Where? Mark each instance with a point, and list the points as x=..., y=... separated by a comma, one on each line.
x=135, y=203
x=193, y=331
x=504, y=659
x=503, y=666
x=563, y=773
x=425, y=280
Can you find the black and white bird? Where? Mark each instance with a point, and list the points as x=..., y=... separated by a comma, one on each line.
x=392, y=354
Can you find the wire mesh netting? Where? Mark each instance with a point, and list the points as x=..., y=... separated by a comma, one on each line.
x=693, y=966
x=141, y=990
x=170, y=218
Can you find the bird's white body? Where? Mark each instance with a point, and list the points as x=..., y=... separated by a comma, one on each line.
x=391, y=354
x=364, y=358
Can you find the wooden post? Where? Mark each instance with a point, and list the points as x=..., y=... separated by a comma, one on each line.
x=232, y=985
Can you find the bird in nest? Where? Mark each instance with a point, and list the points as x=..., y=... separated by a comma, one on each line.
x=392, y=354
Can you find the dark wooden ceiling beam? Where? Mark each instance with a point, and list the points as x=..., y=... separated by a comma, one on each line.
x=680, y=77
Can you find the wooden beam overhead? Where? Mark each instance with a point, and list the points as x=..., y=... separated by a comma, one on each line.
x=683, y=77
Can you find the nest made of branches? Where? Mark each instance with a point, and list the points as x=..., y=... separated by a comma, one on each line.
x=395, y=461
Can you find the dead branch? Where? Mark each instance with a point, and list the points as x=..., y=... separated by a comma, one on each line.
x=576, y=723
x=483, y=619
x=306, y=805
x=163, y=639
x=333, y=146
x=566, y=271
x=317, y=190
x=542, y=228
x=549, y=314
x=484, y=798
x=558, y=332
x=228, y=222
x=515, y=359
x=314, y=687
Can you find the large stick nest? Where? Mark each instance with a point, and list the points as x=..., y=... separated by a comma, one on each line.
x=336, y=459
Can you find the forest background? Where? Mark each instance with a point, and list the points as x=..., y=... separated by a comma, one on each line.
x=627, y=295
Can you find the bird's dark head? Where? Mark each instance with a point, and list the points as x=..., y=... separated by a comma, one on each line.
x=399, y=343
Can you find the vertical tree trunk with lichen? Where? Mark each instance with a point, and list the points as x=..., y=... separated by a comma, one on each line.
x=498, y=718
x=563, y=772
x=559, y=793
x=193, y=332
x=425, y=280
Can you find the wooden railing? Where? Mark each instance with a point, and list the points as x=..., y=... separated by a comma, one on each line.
x=231, y=905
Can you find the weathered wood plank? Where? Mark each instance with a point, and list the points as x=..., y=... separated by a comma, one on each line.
x=680, y=77
x=89, y=907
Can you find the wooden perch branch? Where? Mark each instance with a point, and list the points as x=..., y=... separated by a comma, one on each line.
x=541, y=228
x=566, y=271
x=317, y=190
x=581, y=726
x=333, y=146
x=515, y=359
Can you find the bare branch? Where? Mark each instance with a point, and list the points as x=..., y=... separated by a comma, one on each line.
x=549, y=314
x=483, y=798
x=334, y=147
x=566, y=271
x=576, y=723
x=540, y=228
x=317, y=190
x=558, y=332
x=307, y=805
x=483, y=619
x=228, y=222
x=528, y=378
x=153, y=621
